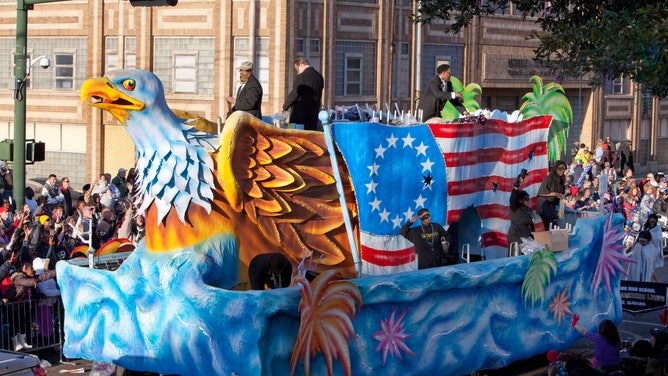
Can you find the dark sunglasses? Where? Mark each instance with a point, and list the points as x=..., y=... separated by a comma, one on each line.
x=426, y=216
x=561, y=169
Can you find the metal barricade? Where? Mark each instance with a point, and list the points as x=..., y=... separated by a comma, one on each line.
x=37, y=322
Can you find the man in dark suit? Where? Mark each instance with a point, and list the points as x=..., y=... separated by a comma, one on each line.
x=438, y=91
x=249, y=94
x=304, y=99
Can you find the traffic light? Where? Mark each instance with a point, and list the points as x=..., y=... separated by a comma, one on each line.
x=7, y=150
x=153, y=3
x=35, y=151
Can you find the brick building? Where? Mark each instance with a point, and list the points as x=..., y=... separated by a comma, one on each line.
x=368, y=51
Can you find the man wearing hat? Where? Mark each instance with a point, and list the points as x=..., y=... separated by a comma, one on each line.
x=249, y=93
x=121, y=182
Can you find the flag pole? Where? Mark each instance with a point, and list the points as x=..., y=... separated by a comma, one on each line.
x=327, y=127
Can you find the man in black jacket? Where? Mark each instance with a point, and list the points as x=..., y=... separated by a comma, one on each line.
x=438, y=91
x=249, y=94
x=305, y=97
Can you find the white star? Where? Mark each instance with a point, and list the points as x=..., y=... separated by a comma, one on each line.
x=371, y=187
x=419, y=202
x=396, y=222
x=375, y=204
x=380, y=150
x=426, y=166
x=392, y=141
x=408, y=141
x=422, y=149
x=384, y=216
x=408, y=214
x=373, y=169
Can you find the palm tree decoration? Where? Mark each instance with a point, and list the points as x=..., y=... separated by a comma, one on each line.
x=541, y=266
x=327, y=311
x=449, y=112
x=549, y=100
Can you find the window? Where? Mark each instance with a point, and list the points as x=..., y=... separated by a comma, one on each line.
x=355, y=65
x=315, y=46
x=617, y=129
x=300, y=47
x=111, y=53
x=645, y=125
x=262, y=69
x=663, y=128
x=353, y=74
x=401, y=83
x=64, y=70
x=130, y=52
x=185, y=73
x=615, y=86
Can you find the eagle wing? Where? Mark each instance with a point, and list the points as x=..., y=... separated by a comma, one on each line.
x=284, y=182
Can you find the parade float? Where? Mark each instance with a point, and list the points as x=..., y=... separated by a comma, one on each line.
x=332, y=203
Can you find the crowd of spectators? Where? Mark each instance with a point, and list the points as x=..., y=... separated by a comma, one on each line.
x=49, y=228
x=594, y=183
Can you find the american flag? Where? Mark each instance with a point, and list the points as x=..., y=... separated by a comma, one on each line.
x=398, y=170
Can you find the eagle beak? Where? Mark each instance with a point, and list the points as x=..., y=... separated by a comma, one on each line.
x=107, y=97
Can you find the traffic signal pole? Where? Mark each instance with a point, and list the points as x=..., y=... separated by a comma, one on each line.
x=20, y=73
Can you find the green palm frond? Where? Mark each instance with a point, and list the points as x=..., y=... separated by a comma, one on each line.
x=469, y=92
x=541, y=266
x=549, y=99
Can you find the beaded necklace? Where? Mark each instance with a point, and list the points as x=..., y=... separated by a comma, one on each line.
x=431, y=243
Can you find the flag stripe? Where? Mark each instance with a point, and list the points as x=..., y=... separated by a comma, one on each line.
x=495, y=155
x=482, y=162
x=494, y=127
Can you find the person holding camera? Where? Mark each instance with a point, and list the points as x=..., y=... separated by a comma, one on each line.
x=430, y=240
x=521, y=215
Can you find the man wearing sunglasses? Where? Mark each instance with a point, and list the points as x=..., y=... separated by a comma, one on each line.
x=430, y=240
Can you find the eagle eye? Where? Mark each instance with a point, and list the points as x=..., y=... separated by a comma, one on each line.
x=129, y=84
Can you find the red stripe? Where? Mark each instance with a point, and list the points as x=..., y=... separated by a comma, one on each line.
x=504, y=184
x=388, y=258
x=484, y=211
x=492, y=238
x=455, y=130
x=496, y=154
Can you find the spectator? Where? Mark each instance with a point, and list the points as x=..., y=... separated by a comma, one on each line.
x=53, y=195
x=626, y=155
x=23, y=281
x=6, y=180
x=30, y=199
x=120, y=183
x=610, y=172
x=660, y=206
x=6, y=223
x=106, y=228
x=607, y=344
x=67, y=240
x=67, y=194
x=646, y=255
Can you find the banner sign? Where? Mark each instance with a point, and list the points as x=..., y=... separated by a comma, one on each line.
x=642, y=296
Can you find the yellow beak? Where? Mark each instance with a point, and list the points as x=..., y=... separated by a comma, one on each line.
x=108, y=98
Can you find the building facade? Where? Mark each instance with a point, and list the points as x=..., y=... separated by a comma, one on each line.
x=369, y=52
